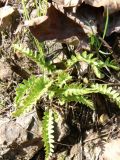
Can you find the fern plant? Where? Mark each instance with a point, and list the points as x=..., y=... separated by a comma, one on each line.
x=108, y=91
x=48, y=133
x=94, y=62
x=60, y=85
x=29, y=92
x=37, y=57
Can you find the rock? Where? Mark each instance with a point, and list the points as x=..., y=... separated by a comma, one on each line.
x=62, y=155
x=75, y=152
x=34, y=14
x=20, y=138
x=112, y=150
x=83, y=67
x=5, y=71
x=8, y=16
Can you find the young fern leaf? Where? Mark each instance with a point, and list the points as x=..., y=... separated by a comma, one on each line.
x=97, y=71
x=35, y=56
x=74, y=92
x=108, y=91
x=22, y=90
x=48, y=133
x=112, y=64
x=76, y=89
x=75, y=98
x=62, y=78
x=28, y=93
x=95, y=63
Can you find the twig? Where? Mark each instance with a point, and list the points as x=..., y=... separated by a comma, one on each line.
x=91, y=139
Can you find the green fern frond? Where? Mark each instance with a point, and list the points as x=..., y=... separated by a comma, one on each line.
x=97, y=71
x=48, y=133
x=95, y=63
x=22, y=89
x=37, y=57
x=76, y=89
x=108, y=91
x=29, y=92
x=112, y=64
x=73, y=92
x=29, y=53
x=75, y=98
x=62, y=78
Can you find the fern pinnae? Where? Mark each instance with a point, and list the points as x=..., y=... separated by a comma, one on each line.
x=22, y=89
x=111, y=64
x=94, y=62
x=62, y=78
x=48, y=132
x=108, y=91
x=81, y=99
x=35, y=56
x=76, y=89
x=29, y=53
x=30, y=96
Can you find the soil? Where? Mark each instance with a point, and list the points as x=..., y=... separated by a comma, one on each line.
x=84, y=134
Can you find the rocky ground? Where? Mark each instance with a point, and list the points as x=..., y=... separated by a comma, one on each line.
x=89, y=137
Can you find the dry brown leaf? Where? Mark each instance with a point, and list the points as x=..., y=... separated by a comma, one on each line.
x=55, y=25
x=5, y=70
x=68, y=3
x=112, y=5
x=114, y=24
x=6, y=16
x=70, y=27
x=88, y=17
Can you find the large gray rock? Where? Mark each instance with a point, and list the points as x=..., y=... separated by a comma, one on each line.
x=20, y=139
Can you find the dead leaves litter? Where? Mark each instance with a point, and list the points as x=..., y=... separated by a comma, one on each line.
x=112, y=5
x=78, y=18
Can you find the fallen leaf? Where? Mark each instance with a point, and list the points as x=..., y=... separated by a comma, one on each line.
x=112, y=5
x=5, y=71
x=113, y=24
x=55, y=25
x=65, y=25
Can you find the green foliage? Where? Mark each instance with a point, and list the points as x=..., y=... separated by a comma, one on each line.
x=106, y=23
x=74, y=92
x=96, y=64
x=94, y=40
x=29, y=92
x=62, y=78
x=111, y=64
x=48, y=132
x=26, y=14
x=41, y=6
x=59, y=85
x=37, y=57
x=108, y=91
